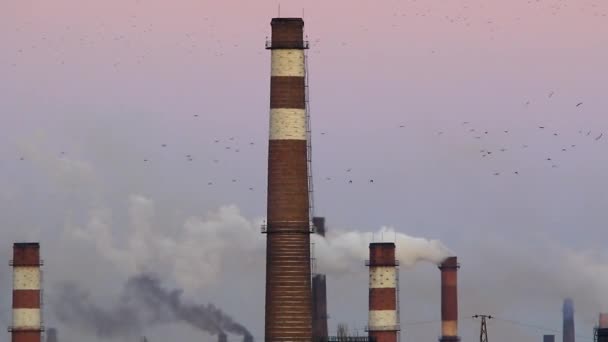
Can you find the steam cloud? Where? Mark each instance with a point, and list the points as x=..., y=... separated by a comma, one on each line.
x=340, y=252
x=144, y=302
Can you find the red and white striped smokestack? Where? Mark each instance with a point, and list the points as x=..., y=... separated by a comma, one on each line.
x=288, y=285
x=383, y=322
x=449, y=300
x=27, y=318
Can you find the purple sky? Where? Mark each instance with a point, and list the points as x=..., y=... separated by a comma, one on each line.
x=109, y=82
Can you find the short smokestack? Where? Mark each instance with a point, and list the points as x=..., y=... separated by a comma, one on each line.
x=568, y=328
x=383, y=323
x=222, y=337
x=449, y=299
x=602, y=329
x=248, y=338
x=51, y=335
x=548, y=338
x=603, y=321
x=27, y=319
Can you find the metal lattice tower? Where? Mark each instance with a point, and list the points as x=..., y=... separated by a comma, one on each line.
x=483, y=334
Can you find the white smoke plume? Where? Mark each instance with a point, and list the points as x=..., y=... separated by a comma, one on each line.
x=340, y=252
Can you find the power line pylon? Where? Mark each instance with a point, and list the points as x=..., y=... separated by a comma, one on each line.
x=483, y=334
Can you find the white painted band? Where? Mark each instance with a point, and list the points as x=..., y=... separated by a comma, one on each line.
x=382, y=318
x=449, y=328
x=26, y=278
x=287, y=124
x=287, y=62
x=382, y=277
x=26, y=318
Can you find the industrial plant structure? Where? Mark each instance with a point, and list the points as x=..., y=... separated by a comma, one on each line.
x=449, y=300
x=383, y=324
x=568, y=326
x=288, y=312
x=319, y=293
x=27, y=299
x=601, y=332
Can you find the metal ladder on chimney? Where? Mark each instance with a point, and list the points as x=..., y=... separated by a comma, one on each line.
x=311, y=201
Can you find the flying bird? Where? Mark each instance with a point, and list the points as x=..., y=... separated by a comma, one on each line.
x=579, y=104
x=371, y=180
x=350, y=182
x=541, y=127
x=551, y=93
x=599, y=137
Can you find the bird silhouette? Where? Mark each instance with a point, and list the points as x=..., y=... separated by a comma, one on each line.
x=579, y=104
x=350, y=182
x=599, y=137
x=371, y=180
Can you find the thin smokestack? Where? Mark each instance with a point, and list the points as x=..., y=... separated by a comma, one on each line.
x=27, y=319
x=288, y=315
x=319, y=293
x=602, y=329
x=449, y=299
x=603, y=321
x=383, y=314
x=51, y=335
x=221, y=337
x=568, y=328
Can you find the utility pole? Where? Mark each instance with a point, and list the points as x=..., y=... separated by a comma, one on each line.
x=483, y=335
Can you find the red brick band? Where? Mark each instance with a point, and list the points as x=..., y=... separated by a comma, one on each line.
x=449, y=290
x=287, y=92
x=26, y=336
x=26, y=299
x=288, y=184
x=382, y=254
x=383, y=299
x=286, y=32
x=384, y=336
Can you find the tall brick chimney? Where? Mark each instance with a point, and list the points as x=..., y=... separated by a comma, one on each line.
x=288, y=314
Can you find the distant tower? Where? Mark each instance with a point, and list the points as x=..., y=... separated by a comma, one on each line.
x=568, y=329
x=383, y=283
x=51, y=335
x=319, y=293
x=27, y=280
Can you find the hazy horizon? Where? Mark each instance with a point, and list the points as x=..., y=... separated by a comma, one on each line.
x=411, y=94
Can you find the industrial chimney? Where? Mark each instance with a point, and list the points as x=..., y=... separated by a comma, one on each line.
x=568, y=329
x=222, y=337
x=27, y=319
x=288, y=273
x=383, y=323
x=51, y=335
x=449, y=300
x=601, y=332
x=548, y=338
x=319, y=293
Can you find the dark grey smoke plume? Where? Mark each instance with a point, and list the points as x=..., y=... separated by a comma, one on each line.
x=144, y=302
x=75, y=307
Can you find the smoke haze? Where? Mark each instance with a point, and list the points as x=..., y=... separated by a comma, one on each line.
x=144, y=302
